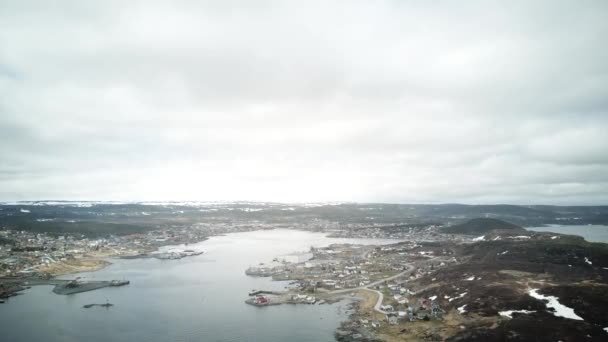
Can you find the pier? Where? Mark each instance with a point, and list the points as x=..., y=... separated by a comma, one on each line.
x=63, y=286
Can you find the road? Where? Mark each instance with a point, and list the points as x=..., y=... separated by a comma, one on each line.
x=379, y=302
x=378, y=282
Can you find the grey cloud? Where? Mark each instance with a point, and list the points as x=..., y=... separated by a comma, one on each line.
x=299, y=101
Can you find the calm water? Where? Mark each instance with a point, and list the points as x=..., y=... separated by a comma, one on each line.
x=592, y=233
x=199, y=298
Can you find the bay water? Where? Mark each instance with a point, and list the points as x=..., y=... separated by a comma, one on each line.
x=199, y=298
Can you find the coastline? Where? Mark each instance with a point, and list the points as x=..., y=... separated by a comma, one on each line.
x=91, y=262
x=62, y=268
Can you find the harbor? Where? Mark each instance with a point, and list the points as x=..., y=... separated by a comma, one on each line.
x=197, y=298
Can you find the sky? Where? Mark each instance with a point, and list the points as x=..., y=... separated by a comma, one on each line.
x=305, y=101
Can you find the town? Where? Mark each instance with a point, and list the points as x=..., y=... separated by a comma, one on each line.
x=345, y=270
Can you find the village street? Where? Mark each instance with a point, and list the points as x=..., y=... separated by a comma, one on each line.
x=410, y=268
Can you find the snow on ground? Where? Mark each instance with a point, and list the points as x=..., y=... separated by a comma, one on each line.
x=459, y=296
x=480, y=238
x=503, y=253
x=560, y=309
x=24, y=210
x=470, y=278
x=433, y=298
x=588, y=261
x=606, y=329
x=461, y=309
x=508, y=313
x=554, y=237
x=497, y=238
x=520, y=237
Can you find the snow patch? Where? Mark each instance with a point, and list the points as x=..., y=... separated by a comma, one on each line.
x=433, y=298
x=509, y=313
x=503, y=253
x=553, y=302
x=554, y=237
x=588, y=261
x=24, y=211
x=461, y=309
x=480, y=238
x=459, y=296
x=470, y=278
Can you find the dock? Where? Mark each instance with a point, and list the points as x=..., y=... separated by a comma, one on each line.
x=263, y=292
x=252, y=301
x=106, y=305
x=74, y=286
x=62, y=286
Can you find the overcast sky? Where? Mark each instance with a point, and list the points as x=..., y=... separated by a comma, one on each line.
x=369, y=101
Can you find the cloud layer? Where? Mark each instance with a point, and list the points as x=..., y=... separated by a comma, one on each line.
x=305, y=101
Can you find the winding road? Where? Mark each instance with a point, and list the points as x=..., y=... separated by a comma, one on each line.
x=378, y=282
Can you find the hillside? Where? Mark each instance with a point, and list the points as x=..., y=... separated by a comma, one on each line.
x=481, y=226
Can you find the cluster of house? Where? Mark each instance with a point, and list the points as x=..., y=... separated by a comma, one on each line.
x=342, y=267
x=303, y=299
x=404, y=309
x=398, y=231
x=261, y=300
x=23, y=252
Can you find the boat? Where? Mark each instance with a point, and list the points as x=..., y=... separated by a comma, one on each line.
x=119, y=282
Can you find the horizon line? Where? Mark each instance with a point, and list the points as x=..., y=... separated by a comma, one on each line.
x=212, y=202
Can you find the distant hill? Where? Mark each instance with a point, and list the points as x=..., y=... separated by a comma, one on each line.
x=99, y=219
x=481, y=226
